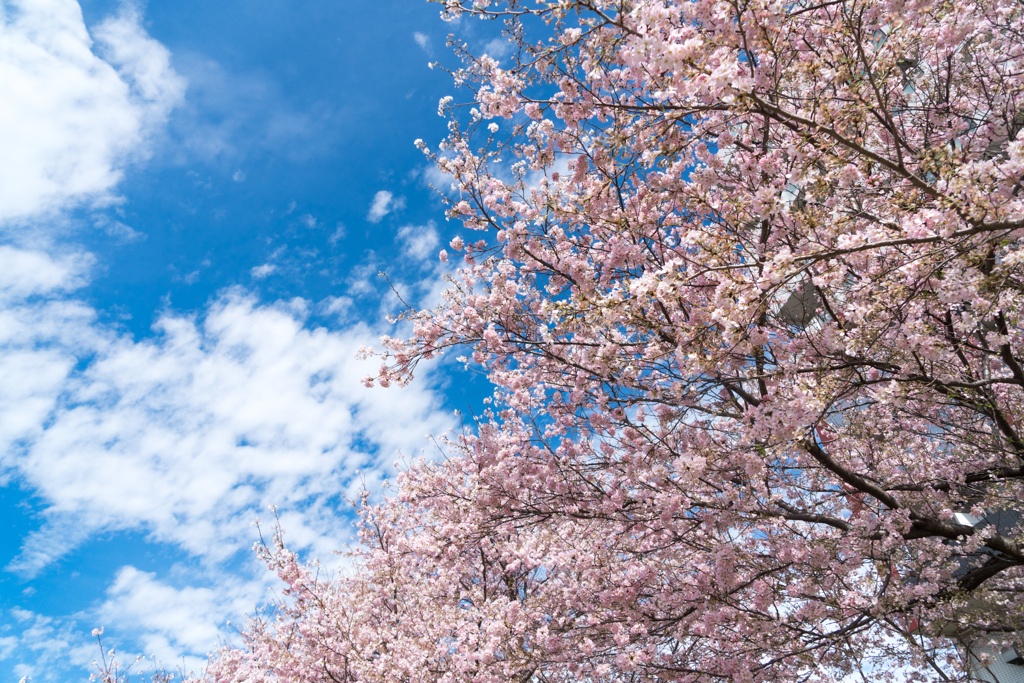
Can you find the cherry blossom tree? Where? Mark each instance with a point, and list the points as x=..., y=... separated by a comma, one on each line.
x=747, y=278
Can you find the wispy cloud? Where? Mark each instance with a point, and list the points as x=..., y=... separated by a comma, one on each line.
x=262, y=271
x=419, y=242
x=141, y=61
x=498, y=48
x=384, y=203
x=339, y=233
x=191, y=434
x=42, y=646
x=231, y=113
x=118, y=230
x=423, y=40
x=171, y=620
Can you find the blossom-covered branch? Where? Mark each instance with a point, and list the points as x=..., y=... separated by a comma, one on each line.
x=746, y=276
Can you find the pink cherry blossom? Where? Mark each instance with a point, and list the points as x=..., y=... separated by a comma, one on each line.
x=758, y=361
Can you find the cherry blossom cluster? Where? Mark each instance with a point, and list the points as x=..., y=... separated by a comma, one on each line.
x=747, y=278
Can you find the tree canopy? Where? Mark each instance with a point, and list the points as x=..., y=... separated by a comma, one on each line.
x=747, y=278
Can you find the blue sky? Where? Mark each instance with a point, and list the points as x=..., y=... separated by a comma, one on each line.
x=195, y=201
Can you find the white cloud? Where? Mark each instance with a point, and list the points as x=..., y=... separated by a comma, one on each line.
x=8, y=646
x=69, y=120
x=340, y=306
x=363, y=280
x=384, y=203
x=339, y=233
x=189, y=435
x=119, y=231
x=172, y=620
x=185, y=437
x=419, y=241
x=142, y=61
x=498, y=48
x=43, y=647
x=172, y=627
x=423, y=40
x=238, y=176
x=27, y=273
x=260, y=272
